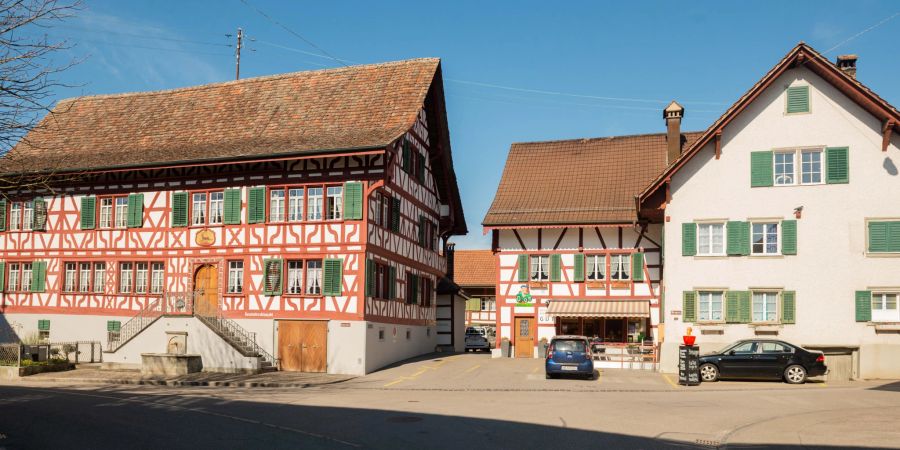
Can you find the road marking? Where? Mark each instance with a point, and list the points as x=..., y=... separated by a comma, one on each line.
x=599, y=376
x=472, y=368
x=419, y=373
x=395, y=382
x=670, y=381
x=822, y=384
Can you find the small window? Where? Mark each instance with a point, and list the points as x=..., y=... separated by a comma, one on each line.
x=15, y=216
x=198, y=209
x=314, y=277
x=765, y=306
x=884, y=307
x=70, y=277
x=106, y=212
x=157, y=275
x=26, y=277
x=235, y=277
x=620, y=267
x=140, y=277
x=884, y=236
x=216, y=207
x=595, y=267
x=28, y=215
x=295, y=277
x=540, y=267
x=295, y=204
x=335, y=202
x=12, y=281
x=99, y=277
x=709, y=307
x=381, y=334
x=126, y=271
x=84, y=277
x=811, y=167
x=276, y=205
x=765, y=239
x=710, y=239
x=121, y=212
x=408, y=334
x=314, y=211
x=784, y=168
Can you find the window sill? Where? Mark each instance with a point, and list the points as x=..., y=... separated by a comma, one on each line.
x=886, y=326
x=595, y=284
x=538, y=284
x=298, y=295
x=883, y=254
x=766, y=255
x=711, y=256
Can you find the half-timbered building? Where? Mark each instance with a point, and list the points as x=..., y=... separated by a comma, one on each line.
x=295, y=219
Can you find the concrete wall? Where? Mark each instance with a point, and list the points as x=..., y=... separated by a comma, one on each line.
x=346, y=347
x=63, y=327
x=394, y=345
x=831, y=261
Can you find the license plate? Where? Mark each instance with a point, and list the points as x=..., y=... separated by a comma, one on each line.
x=569, y=368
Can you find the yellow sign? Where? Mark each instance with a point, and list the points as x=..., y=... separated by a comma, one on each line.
x=205, y=238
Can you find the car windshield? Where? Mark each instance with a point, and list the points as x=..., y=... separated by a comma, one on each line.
x=569, y=346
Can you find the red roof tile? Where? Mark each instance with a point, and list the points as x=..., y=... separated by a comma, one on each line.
x=474, y=268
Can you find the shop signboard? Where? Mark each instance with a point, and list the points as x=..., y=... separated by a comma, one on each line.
x=689, y=365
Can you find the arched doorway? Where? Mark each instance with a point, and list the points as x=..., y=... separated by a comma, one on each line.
x=206, y=284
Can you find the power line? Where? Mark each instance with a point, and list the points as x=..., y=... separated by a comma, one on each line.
x=883, y=21
x=144, y=47
x=297, y=50
x=310, y=43
x=143, y=36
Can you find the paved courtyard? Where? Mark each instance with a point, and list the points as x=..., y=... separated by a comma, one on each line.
x=454, y=401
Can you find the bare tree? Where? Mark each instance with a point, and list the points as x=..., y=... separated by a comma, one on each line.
x=27, y=84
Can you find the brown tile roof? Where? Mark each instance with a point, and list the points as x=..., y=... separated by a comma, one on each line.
x=355, y=107
x=582, y=181
x=474, y=268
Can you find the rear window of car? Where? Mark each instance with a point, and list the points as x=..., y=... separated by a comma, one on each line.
x=774, y=347
x=569, y=346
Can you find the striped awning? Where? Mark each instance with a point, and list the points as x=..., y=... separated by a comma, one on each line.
x=599, y=308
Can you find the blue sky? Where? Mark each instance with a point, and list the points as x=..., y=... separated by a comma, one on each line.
x=704, y=54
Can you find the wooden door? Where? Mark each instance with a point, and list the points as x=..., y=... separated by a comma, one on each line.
x=206, y=281
x=302, y=345
x=289, y=345
x=524, y=337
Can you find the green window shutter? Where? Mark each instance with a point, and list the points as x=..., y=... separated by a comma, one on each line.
x=333, y=275
x=40, y=214
x=421, y=230
x=272, y=276
x=39, y=276
x=523, y=268
x=2, y=275
x=113, y=326
x=353, y=201
x=232, y=207
x=2, y=214
x=88, y=212
x=744, y=306
x=837, y=165
x=738, y=239
x=689, y=307
x=761, y=169
x=256, y=205
x=788, y=307
x=413, y=289
x=732, y=307
x=579, y=267
x=637, y=266
x=43, y=325
x=392, y=283
x=420, y=171
x=863, y=306
x=179, y=209
x=878, y=236
x=797, y=99
x=893, y=237
x=370, y=278
x=407, y=154
x=395, y=215
x=789, y=237
x=135, y=210
x=688, y=239
x=555, y=268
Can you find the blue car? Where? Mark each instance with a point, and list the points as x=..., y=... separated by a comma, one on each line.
x=569, y=355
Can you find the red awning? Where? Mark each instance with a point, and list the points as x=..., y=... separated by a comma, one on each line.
x=599, y=308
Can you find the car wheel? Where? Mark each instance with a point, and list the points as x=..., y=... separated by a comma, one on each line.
x=795, y=374
x=709, y=373
x=550, y=376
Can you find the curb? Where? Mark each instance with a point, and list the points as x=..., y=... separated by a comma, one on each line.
x=178, y=383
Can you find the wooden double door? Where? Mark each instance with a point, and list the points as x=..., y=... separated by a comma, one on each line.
x=302, y=345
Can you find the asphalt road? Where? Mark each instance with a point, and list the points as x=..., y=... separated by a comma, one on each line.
x=463, y=401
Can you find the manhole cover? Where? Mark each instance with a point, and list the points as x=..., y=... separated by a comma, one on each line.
x=404, y=419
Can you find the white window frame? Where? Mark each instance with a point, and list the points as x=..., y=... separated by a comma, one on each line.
x=595, y=265
x=765, y=312
x=71, y=277
x=314, y=277
x=235, y=277
x=27, y=215
x=296, y=204
x=294, y=285
x=15, y=216
x=766, y=238
x=276, y=205
x=126, y=273
x=800, y=170
x=157, y=277
x=120, y=204
x=793, y=166
x=709, y=238
x=106, y=212
x=25, y=281
x=99, y=277
x=216, y=207
x=705, y=301
x=84, y=277
x=880, y=303
x=315, y=203
x=198, y=208
x=335, y=202
x=620, y=265
x=13, y=277
x=141, y=277
x=540, y=268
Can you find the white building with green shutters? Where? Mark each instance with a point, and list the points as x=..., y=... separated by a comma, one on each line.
x=782, y=221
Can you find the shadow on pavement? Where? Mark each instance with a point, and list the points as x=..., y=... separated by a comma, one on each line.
x=891, y=387
x=112, y=418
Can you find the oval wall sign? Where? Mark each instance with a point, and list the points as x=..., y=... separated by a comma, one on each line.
x=205, y=238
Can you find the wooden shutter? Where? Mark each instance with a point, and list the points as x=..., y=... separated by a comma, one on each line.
x=370, y=278
x=884, y=236
x=421, y=230
x=738, y=240
x=762, y=169
x=135, y=210
x=688, y=239
x=523, y=268
x=392, y=283
x=789, y=237
x=2, y=275
x=893, y=237
x=2, y=214
x=333, y=274
x=837, y=165
x=43, y=325
x=788, y=306
x=732, y=307
x=256, y=205
x=232, y=207
x=88, y=212
x=407, y=155
x=863, y=306
x=40, y=215
x=420, y=170
x=637, y=266
x=744, y=306
x=689, y=306
x=38, y=276
x=579, y=267
x=272, y=276
x=797, y=99
x=179, y=209
x=411, y=297
x=353, y=201
x=395, y=215
x=113, y=326
x=555, y=268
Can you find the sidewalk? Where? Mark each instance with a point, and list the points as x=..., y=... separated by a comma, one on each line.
x=92, y=374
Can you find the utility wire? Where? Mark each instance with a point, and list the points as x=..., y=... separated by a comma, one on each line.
x=144, y=47
x=883, y=21
x=310, y=43
x=144, y=36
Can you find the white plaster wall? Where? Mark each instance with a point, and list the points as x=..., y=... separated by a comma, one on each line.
x=63, y=327
x=395, y=347
x=346, y=349
x=831, y=262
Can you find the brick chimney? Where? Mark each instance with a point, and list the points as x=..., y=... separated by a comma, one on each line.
x=673, y=114
x=847, y=64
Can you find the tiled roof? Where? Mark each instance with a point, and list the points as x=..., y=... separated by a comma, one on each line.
x=582, y=181
x=474, y=268
x=355, y=107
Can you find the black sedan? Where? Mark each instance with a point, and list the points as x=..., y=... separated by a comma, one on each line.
x=763, y=359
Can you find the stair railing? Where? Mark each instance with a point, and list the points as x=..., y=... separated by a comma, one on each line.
x=232, y=331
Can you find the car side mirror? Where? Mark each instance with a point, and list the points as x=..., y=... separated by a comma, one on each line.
x=731, y=353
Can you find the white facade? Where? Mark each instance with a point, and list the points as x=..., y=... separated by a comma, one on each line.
x=832, y=261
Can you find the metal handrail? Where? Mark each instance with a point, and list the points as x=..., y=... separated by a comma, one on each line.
x=232, y=331
x=179, y=303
